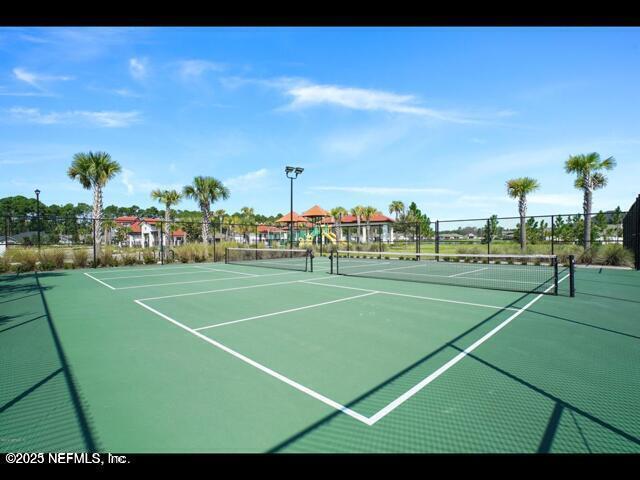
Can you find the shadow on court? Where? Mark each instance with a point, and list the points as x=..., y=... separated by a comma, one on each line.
x=40, y=405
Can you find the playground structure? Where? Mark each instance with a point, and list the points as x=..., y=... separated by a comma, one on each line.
x=317, y=235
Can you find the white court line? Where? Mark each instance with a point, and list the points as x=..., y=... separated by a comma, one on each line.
x=470, y=271
x=100, y=281
x=266, y=370
x=421, y=297
x=285, y=311
x=390, y=272
x=221, y=290
x=223, y=270
x=419, y=386
x=362, y=418
x=203, y=269
x=203, y=281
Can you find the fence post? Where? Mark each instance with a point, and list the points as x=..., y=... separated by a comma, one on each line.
x=417, y=238
x=6, y=233
x=161, y=233
x=489, y=235
x=437, y=245
x=553, y=234
x=636, y=210
x=348, y=239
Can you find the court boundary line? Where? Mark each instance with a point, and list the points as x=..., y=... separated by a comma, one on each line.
x=201, y=271
x=390, y=407
x=263, y=368
x=282, y=312
x=99, y=281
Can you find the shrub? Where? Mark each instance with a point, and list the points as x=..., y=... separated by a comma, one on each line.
x=26, y=257
x=614, y=254
x=107, y=259
x=51, y=259
x=80, y=258
x=148, y=257
x=128, y=258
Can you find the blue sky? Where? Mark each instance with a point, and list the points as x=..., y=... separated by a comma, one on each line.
x=440, y=116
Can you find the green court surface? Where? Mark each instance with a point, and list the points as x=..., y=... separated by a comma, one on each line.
x=235, y=358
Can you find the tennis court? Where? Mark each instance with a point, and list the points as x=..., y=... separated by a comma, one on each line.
x=322, y=355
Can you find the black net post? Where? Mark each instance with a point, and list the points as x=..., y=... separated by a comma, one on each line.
x=417, y=238
x=555, y=275
x=572, y=272
x=437, y=243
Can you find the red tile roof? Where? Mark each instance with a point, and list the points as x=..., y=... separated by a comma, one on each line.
x=377, y=218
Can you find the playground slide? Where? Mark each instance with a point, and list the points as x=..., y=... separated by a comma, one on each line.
x=330, y=236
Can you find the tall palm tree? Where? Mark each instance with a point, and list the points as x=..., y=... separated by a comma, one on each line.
x=357, y=212
x=205, y=191
x=338, y=213
x=168, y=198
x=108, y=225
x=519, y=188
x=93, y=170
x=396, y=207
x=588, y=169
x=367, y=213
x=247, y=214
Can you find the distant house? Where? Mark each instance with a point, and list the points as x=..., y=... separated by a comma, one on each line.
x=144, y=232
x=450, y=236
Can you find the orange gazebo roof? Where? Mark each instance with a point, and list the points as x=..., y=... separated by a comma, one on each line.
x=287, y=218
x=316, y=211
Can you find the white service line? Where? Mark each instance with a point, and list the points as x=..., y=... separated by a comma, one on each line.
x=100, y=281
x=419, y=386
x=266, y=370
x=203, y=281
x=470, y=271
x=198, y=272
x=220, y=290
x=421, y=297
x=225, y=271
x=285, y=311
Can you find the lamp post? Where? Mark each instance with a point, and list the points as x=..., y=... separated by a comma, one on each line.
x=294, y=171
x=37, y=192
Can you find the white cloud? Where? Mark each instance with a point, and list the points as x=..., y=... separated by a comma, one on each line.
x=109, y=119
x=306, y=94
x=249, y=181
x=191, y=69
x=36, y=80
x=134, y=184
x=138, y=68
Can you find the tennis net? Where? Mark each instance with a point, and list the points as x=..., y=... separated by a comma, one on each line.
x=521, y=273
x=301, y=260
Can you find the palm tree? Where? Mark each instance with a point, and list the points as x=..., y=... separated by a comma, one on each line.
x=247, y=214
x=168, y=198
x=220, y=214
x=357, y=212
x=93, y=170
x=519, y=188
x=108, y=225
x=367, y=213
x=396, y=207
x=205, y=191
x=589, y=178
x=338, y=213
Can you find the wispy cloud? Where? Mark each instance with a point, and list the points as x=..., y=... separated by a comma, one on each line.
x=138, y=68
x=306, y=94
x=134, y=184
x=248, y=181
x=37, y=80
x=193, y=69
x=109, y=119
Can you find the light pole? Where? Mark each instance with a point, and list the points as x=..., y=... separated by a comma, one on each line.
x=294, y=171
x=37, y=192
